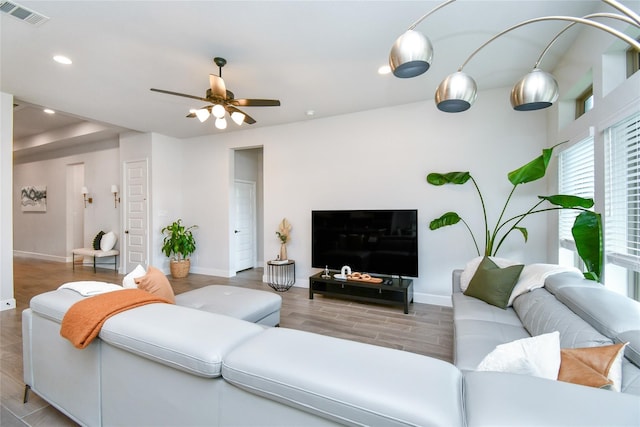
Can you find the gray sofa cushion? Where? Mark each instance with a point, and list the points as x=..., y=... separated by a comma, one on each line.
x=54, y=304
x=562, y=280
x=499, y=399
x=631, y=351
x=251, y=305
x=541, y=313
x=470, y=308
x=477, y=338
x=350, y=382
x=190, y=340
x=607, y=311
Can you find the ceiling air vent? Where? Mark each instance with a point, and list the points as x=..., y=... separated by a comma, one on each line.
x=22, y=13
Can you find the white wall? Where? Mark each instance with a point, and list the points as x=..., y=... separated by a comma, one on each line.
x=44, y=234
x=7, y=300
x=167, y=192
x=374, y=160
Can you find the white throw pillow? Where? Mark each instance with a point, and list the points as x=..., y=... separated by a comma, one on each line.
x=108, y=241
x=538, y=356
x=472, y=266
x=129, y=280
x=89, y=288
x=534, y=275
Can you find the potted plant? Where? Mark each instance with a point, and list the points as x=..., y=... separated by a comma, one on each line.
x=178, y=244
x=586, y=230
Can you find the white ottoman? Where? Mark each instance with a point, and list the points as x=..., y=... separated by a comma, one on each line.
x=252, y=305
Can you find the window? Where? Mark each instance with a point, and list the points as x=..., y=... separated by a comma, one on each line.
x=622, y=201
x=584, y=102
x=633, y=61
x=576, y=177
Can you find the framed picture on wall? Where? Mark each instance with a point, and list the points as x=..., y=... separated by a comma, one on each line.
x=33, y=198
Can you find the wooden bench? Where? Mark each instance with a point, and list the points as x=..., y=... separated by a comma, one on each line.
x=96, y=254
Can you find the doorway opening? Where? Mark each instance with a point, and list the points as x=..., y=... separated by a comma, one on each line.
x=248, y=209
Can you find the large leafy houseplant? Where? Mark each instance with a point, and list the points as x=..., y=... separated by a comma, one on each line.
x=586, y=230
x=177, y=245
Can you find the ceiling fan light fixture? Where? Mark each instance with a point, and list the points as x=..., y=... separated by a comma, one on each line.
x=221, y=123
x=411, y=54
x=218, y=111
x=535, y=91
x=237, y=117
x=456, y=93
x=202, y=114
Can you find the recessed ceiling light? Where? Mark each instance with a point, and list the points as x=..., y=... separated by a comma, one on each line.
x=385, y=69
x=62, y=60
x=310, y=113
x=49, y=111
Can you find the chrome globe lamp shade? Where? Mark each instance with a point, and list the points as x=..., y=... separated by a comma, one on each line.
x=456, y=93
x=412, y=52
x=410, y=55
x=535, y=91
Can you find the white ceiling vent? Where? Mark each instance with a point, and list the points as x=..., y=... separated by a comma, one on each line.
x=23, y=13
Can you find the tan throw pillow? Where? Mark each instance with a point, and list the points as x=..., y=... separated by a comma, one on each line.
x=156, y=283
x=592, y=366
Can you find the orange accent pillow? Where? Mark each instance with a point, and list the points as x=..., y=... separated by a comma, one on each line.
x=156, y=283
x=590, y=366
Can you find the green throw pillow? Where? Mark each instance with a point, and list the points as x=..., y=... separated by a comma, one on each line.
x=96, y=240
x=493, y=284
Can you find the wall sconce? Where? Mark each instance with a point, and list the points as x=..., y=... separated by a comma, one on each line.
x=116, y=199
x=84, y=192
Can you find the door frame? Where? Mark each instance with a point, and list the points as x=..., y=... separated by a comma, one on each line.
x=124, y=212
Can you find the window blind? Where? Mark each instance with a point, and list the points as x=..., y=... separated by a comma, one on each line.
x=622, y=194
x=576, y=177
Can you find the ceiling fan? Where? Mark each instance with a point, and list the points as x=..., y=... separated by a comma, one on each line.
x=223, y=101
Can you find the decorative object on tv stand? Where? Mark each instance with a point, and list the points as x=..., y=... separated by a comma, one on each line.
x=345, y=272
x=412, y=53
x=84, y=192
x=116, y=199
x=586, y=230
x=33, y=198
x=178, y=244
x=284, y=230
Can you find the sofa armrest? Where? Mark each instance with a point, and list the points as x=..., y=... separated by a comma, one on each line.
x=455, y=281
x=27, y=362
x=490, y=401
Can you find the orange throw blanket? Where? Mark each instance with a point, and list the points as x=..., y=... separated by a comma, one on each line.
x=84, y=319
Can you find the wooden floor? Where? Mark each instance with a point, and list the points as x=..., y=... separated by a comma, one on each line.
x=427, y=329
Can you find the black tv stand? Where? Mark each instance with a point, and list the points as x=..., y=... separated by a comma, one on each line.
x=398, y=292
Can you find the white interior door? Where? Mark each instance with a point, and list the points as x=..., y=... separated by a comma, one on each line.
x=136, y=243
x=245, y=228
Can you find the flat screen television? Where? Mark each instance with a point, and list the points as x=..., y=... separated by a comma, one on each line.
x=382, y=242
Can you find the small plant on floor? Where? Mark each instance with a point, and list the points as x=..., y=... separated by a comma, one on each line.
x=178, y=245
x=586, y=230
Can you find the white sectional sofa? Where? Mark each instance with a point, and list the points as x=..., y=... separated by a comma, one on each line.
x=170, y=365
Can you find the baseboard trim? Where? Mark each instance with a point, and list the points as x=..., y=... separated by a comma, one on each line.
x=45, y=257
x=442, y=300
x=8, y=304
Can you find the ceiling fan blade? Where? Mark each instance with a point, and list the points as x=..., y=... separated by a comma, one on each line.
x=247, y=119
x=192, y=115
x=168, y=92
x=256, y=102
x=218, y=89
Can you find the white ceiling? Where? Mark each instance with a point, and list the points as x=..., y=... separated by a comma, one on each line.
x=311, y=55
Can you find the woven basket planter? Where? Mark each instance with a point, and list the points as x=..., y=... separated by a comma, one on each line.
x=179, y=269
